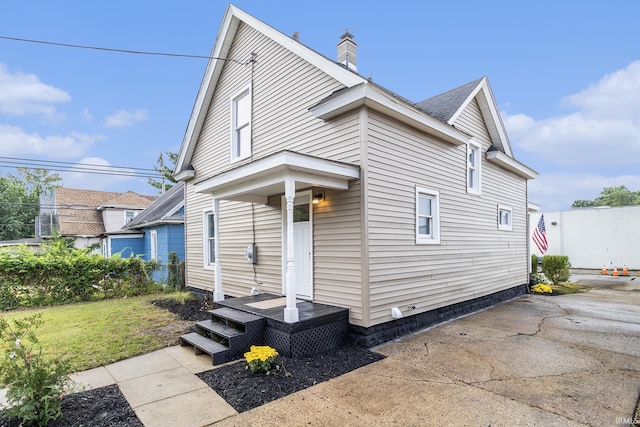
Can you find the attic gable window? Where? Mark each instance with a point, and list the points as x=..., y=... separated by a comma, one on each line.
x=473, y=167
x=241, y=125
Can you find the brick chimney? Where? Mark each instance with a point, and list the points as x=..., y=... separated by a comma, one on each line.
x=347, y=51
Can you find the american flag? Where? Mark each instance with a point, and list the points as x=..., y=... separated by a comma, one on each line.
x=540, y=236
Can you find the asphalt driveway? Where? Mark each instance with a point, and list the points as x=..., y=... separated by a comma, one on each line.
x=536, y=360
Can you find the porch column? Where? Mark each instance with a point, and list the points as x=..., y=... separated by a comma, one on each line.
x=218, y=294
x=291, y=311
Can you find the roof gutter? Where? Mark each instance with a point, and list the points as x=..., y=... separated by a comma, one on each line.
x=511, y=164
x=376, y=99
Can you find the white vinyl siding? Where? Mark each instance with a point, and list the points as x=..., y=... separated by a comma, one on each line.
x=278, y=123
x=427, y=216
x=115, y=218
x=337, y=236
x=505, y=218
x=474, y=167
x=473, y=258
x=241, y=125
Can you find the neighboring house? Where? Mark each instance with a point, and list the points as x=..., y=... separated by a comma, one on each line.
x=31, y=243
x=593, y=237
x=342, y=192
x=88, y=216
x=157, y=231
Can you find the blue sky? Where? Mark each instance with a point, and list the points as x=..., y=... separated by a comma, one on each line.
x=565, y=75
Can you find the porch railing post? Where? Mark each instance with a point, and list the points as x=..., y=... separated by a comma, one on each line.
x=218, y=293
x=291, y=310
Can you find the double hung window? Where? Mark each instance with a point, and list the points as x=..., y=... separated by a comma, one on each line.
x=427, y=216
x=209, y=240
x=241, y=125
x=473, y=167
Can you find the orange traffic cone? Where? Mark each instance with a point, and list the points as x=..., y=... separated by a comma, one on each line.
x=625, y=272
x=604, y=270
x=615, y=271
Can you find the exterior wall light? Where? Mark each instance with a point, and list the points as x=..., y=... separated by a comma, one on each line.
x=317, y=197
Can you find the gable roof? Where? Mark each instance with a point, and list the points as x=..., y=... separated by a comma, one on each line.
x=128, y=200
x=449, y=105
x=78, y=213
x=230, y=23
x=436, y=115
x=164, y=210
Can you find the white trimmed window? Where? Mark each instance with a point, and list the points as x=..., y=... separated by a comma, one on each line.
x=209, y=240
x=154, y=245
x=241, y=125
x=129, y=215
x=427, y=216
x=505, y=218
x=473, y=167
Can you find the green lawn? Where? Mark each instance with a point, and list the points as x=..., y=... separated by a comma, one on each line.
x=98, y=333
x=570, y=288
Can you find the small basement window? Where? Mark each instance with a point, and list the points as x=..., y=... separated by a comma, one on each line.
x=505, y=218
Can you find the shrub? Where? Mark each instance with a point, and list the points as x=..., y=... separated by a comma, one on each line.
x=35, y=384
x=556, y=268
x=60, y=274
x=175, y=281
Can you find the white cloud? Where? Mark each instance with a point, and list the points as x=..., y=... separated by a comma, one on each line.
x=86, y=115
x=604, y=130
x=96, y=173
x=22, y=94
x=123, y=118
x=615, y=95
x=15, y=142
x=557, y=191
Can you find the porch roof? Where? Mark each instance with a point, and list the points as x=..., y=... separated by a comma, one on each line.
x=256, y=181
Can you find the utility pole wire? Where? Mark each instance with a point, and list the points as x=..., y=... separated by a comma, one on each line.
x=20, y=160
x=88, y=168
x=108, y=49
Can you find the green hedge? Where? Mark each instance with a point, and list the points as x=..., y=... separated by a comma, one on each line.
x=61, y=274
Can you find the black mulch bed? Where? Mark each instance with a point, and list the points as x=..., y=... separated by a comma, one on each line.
x=101, y=407
x=243, y=390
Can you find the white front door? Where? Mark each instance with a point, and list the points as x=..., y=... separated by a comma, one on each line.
x=303, y=247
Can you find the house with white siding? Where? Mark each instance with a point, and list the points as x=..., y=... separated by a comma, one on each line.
x=307, y=180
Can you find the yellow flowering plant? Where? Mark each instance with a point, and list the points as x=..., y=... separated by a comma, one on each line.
x=260, y=358
x=541, y=288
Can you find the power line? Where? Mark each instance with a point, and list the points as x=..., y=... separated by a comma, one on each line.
x=71, y=163
x=89, y=168
x=108, y=49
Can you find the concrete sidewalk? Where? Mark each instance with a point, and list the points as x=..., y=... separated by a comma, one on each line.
x=162, y=387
